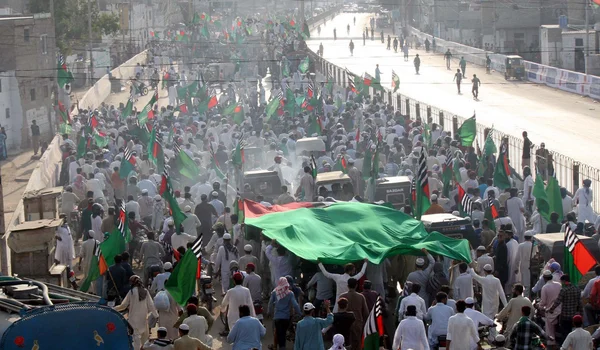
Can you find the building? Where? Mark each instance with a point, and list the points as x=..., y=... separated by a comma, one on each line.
x=28, y=66
x=565, y=47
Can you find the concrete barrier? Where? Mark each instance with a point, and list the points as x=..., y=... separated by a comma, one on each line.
x=101, y=89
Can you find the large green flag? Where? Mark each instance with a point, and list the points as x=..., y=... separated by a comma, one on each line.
x=502, y=172
x=467, y=132
x=186, y=165
x=182, y=282
x=541, y=199
x=554, y=197
x=63, y=75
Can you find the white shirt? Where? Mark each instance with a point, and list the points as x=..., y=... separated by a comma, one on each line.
x=491, y=291
x=234, y=298
x=439, y=314
x=198, y=327
x=463, y=286
x=478, y=318
x=461, y=332
x=410, y=334
x=133, y=206
x=412, y=299
x=482, y=261
x=579, y=339
x=181, y=240
x=158, y=283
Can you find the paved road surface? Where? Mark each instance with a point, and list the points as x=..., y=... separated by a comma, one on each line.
x=562, y=120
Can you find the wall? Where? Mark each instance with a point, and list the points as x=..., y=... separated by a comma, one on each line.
x=101, y=89
x=569, y=39
x=10, y=109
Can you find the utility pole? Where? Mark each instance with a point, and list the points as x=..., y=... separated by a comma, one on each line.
x=130, y=22
x=586, y=56
x=89, y=7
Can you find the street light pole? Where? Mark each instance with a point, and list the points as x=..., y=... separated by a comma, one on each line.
x=89, y=7
x=587, y=37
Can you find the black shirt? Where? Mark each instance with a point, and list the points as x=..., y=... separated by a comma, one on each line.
x=526, y=148
x=35, y=130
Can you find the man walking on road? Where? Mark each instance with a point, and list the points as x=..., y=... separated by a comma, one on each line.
x=447, y=57
x=417, y=62
x=458, y=77
x=35, y=137
x=476, y=82
x=463, y=65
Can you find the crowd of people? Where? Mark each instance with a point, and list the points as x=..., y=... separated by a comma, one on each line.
x=110, y=161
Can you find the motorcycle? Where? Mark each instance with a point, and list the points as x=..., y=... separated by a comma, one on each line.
x=207, y=292
x=258, y=309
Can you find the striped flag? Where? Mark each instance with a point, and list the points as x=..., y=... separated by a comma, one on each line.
x=466, y=203
x=351, y=82
x=197, y=249
x=422, y=192
x=374, y=328
x=127, y=164
x=492, y=206
x=122, y=224
x=310, y=91
x=577, y=259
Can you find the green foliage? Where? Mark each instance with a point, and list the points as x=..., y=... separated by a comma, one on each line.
x=71, y=20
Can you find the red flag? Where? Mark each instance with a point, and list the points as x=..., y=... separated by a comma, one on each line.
x=182, y=108
x=212, y=102
x=582, y=258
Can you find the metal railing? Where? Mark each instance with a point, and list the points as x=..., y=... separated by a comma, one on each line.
x=569, y=172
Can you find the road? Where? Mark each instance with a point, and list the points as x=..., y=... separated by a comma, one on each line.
x=560, y=119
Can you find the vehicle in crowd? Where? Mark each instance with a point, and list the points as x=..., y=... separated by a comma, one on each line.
x=394, y=190
x=262, y=182
x=212, y=72
x=310, y=146
x=28, y=306
x=551, y=246
x=514, y=67
x=451, y=226
x=332, y=181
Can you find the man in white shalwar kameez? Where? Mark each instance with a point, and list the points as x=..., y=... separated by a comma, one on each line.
x=168, y=318
x=236, y=297
x=584, y=196
x=511, y=246
x=523, y=261
x=140, y=304
x=225, y=255
x=514, y=210
x=65, y=251
x=86, y=252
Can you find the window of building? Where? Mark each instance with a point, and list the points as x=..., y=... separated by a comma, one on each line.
x=44, y=41
x=46, y=91
x=7, y=111
x=32, y=94
x=26, y=34
x=578, y=41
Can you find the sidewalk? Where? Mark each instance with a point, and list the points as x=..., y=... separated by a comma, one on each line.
x=15, y=172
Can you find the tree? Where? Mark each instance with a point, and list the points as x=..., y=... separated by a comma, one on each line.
x=71, y=22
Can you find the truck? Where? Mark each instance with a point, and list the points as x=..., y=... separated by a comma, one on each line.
x=35, y=315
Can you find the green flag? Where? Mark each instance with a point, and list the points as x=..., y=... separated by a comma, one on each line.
x=303, y=66
x=104, y=256
x=182, y=282
x=186, y=165
x=237, y=156
x=569, y=266
x=166, y=191
x=65, y=129
x=229, y=110
x=238, y=115
x=285, y=69
x=489, y=148
x=63, y=75
x=554, y=197
x=502, y=172
x=127, y=164
x=128, y=109
x=541, y=199
x=467, y=132
x=272, y=107
x=100, y=139
x=82, y=144
x=218, y=172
